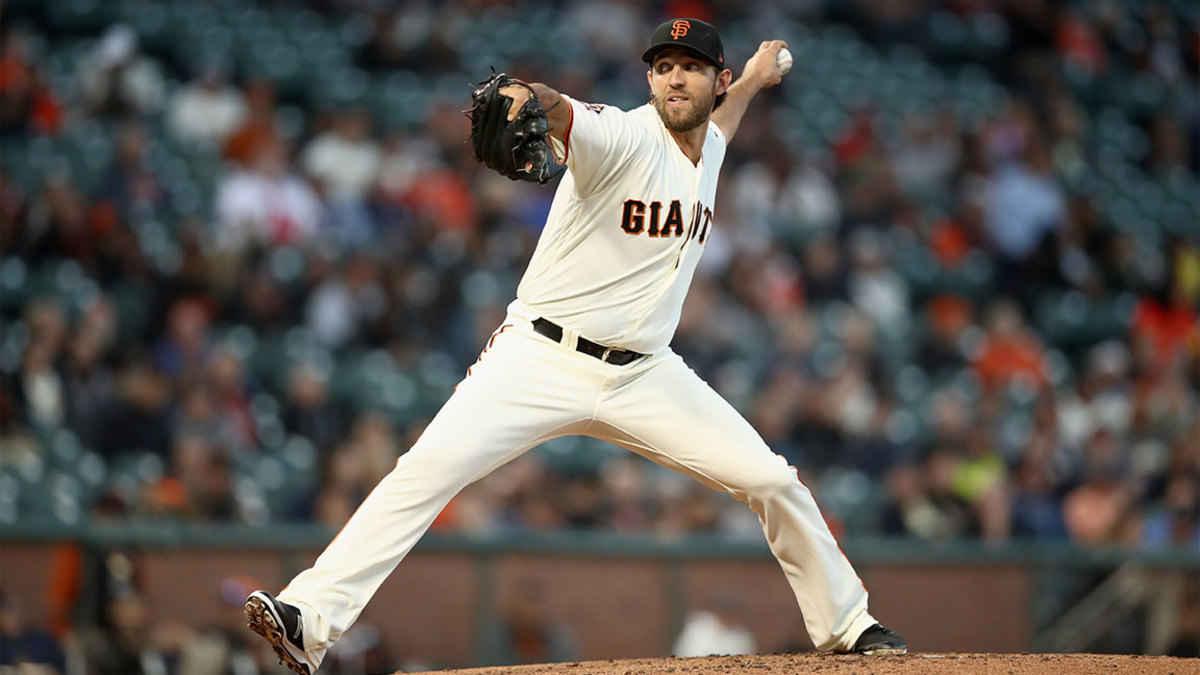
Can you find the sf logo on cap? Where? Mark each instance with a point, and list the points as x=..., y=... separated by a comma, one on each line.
x=680, y=28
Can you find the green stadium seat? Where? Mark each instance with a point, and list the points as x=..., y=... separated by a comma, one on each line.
x=14, y=289
x=151, y=22
x=973, y=279
x=10, y=497
x=132, y=302
x=1073, y=323
x=300, y=457
x=911, y=384
x=80, y=16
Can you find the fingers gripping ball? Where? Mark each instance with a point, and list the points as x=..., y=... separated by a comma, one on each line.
x=784, y=59
x=518, y=149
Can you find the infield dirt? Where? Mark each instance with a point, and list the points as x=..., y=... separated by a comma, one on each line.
x=840, y=664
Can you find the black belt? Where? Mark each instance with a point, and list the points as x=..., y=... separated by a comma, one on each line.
x=617, y=357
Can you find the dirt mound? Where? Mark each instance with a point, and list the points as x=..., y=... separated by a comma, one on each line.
x=837, y=664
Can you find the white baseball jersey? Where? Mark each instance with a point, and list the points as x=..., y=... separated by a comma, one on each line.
x=626, y=229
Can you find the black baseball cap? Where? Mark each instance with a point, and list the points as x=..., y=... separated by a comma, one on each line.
x=698, y=36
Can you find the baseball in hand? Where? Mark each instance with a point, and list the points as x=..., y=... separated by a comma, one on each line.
x=784, y=59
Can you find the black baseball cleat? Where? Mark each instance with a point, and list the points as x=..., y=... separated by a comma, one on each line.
x=279, y=623
x=879, y=640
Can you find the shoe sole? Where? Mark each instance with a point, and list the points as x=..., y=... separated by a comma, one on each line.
x=261, y=620
x=888, y=651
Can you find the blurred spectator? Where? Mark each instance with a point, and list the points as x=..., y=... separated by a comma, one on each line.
x=1165, y=326
x=127, y=644
x=171, y=495
x=1169, y=146
x=1176, y=518
x=374, y=439
x=526, y=630
x=57, y=226
x=1165, y=51
x=199, y=485
x=1098, y=510
x=624, y=484
x=1080, y=44
x=927, y=155
x=719, y=628
x=25, y=648
x=442, y=200
x=266, y=204
x=875, y=287
x=19, y=446
x=784, y=194
x=199, y=415
x=207, y=110
x=212, y=493
x=923, y=502
x=39, y=388
x=404, y=161
x=223, y=647
x=1101, y=399
x=1024, y=204
x=940, y=351
x=131, y=184
x=824, y=276
x=610, y=31
x=686, y=509
x=361, y=651
x=14, y=203
x=261, y=302
x=1010, y=352
x=980, y=479
x=137, y=420
x=343, y=162
x=310, y=412
x=1036, y=504
x=186, y=344
x=258, y=127
x=88, y=385
x=27, y=104
x=231, y=392
x=339, y=492
x=341, y=306
x=83, y=580
x=117, y=80
x=867, y=177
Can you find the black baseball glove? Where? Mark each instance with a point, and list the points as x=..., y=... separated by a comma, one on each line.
x=519, y=149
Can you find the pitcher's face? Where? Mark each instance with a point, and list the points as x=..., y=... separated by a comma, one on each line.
x=683, y=89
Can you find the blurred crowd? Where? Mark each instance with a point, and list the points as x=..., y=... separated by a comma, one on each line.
x=939, y=318
x=927, y=314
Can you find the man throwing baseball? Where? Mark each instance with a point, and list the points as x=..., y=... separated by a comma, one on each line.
x=585, y=350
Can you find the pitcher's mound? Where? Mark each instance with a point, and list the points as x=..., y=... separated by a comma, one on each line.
x=839, y=664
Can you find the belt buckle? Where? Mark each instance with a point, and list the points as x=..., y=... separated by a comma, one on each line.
x=604, y=356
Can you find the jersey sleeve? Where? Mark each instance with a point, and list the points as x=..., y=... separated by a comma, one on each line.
x=600, y=139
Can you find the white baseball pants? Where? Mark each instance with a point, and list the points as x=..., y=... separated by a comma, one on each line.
x=525, y=390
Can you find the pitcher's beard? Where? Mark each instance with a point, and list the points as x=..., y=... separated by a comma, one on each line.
x=683, y=121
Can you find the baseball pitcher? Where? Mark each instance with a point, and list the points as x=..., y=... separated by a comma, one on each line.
x=585, y=346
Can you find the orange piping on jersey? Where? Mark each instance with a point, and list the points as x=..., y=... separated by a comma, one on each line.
x=496, y=335
x=836, y=543
x=486, y=347
x=567, y=135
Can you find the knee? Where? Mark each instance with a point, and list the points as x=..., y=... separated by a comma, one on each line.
x=772, y=480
